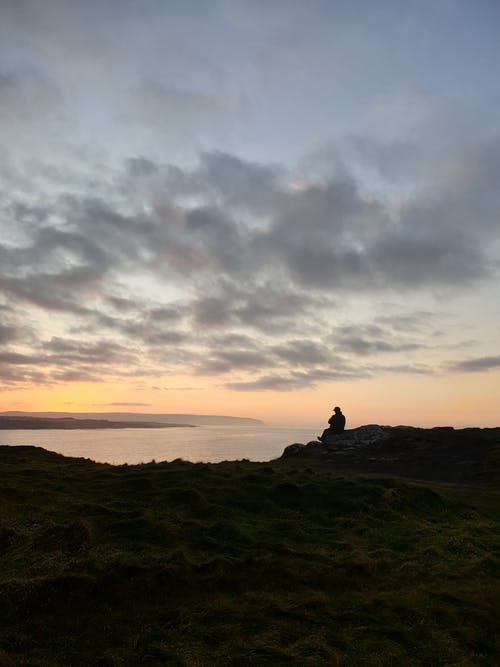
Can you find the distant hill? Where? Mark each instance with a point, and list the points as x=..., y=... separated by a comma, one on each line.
x=12, y=422
x=177, y=419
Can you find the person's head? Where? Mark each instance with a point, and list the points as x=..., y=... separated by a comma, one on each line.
x=337, y=410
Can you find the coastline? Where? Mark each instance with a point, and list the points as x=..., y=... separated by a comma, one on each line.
x=71, y=423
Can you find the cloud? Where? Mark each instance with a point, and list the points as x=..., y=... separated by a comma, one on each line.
x=476, y=365
x=325, y=236
x=26, y=96
x=53, y=292
x=54, y=270
x=271, y=383
x=12, y=358
x=228, y=268
x=433, y=258
x=226, y=361
x=8, y=333
x=231, y=255
x=405, y=369
x=396, y=322
x=238, y=183
x=63, y=350
x=271, y=307
x=303, y=353
x=292, y=381
x=187, y=109
x=365, y=340
x=60, y=360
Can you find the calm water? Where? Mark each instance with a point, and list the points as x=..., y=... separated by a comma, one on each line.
x=140, y=445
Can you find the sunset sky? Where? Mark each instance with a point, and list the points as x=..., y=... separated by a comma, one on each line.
x=258, y=208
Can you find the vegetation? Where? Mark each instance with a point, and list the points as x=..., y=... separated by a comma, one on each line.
x=22, y=422
x=242, y=563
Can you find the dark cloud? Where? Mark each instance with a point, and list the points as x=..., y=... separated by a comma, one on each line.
x=66, y=360
x=13, y=377
x=52, y=248
x=17, y=358
x=218, y=242
x=337, y=371
x=8, y=333
x=476, y=365
x=416, y=322
x=60, y=292
x=165, y=314
x=410, y=259
x=325, y=236
x=227, y=361
x=28, y=215
x=234, y=340
x=221, y=179
x=365, y=340
x=302, y=353
x=140, y=167
x=273, y=307
x=212, y=311
x=148, y=325
x=18, y=368
x=307, y=236
x=119, y=303
x=54, y=271
x=74, y=375
x=155, y=337
x=272, y=383
x=406, y=369
x=257, y=271
x=292, y=381
x=240, y=183
x=63, y=350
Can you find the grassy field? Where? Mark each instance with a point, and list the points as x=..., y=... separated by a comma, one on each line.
x=242, y=563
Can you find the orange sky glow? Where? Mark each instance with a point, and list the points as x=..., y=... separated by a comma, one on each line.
x=441, y=401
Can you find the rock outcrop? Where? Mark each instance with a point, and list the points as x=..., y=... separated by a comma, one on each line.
x=349, y=440
x=441, y=453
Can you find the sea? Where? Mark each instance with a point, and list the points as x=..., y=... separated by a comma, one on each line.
x=207, y=444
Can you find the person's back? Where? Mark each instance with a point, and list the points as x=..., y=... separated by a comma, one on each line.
x=337, y=425
x=337, y=422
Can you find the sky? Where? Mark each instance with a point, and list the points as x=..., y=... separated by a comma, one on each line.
x=259, y=209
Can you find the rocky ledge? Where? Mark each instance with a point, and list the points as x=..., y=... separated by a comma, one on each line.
x=349, y=440
x=439, y=454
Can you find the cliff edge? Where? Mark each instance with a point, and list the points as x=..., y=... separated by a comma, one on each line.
x=469, y=455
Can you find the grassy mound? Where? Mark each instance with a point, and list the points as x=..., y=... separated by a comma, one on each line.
x=241, y=563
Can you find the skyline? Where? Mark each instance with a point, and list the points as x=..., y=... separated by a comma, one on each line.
x=251, y=209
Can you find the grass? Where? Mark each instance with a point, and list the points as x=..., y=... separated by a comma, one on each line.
x=241, y=563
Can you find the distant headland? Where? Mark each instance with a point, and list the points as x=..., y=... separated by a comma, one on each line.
x=12, y=423
x=19, y=419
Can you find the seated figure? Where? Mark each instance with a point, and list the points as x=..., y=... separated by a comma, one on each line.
x=337, y=425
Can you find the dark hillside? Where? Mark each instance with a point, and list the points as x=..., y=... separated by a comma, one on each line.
x=239, y=563
x=443, y=454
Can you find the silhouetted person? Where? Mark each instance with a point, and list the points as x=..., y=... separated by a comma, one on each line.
x=337, y=424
